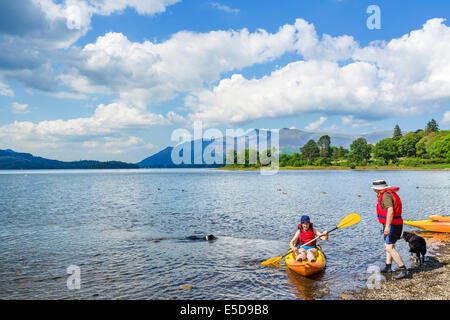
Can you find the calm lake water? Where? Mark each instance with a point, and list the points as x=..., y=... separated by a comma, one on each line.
x=127, y=229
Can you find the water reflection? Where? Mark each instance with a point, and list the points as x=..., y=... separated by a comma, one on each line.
x=434, y=239
x=307, y=288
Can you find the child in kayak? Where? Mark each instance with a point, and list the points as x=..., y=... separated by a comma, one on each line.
x=305, y=233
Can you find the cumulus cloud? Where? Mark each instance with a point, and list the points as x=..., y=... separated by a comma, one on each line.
x=106, y=120
x=223, y=7
x=316, y=124
x=185, y=62
x=19, y=108
x=33, y=31
x=147, y=7
x=5, y=90
x=356, y=123
x=401, y=77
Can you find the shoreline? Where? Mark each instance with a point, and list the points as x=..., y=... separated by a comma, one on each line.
x=431, y=282
x=340, y=169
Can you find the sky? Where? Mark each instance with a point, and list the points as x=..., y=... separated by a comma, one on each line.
x=112, y=80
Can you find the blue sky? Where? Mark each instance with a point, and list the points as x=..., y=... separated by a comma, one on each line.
x=91, y=79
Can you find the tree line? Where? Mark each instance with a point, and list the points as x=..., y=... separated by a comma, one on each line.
x=421, y=147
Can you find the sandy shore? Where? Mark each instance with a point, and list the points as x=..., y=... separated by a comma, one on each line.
x=431, y=282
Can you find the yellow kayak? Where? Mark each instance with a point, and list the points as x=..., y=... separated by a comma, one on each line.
x=306, y=268
x=429, y=225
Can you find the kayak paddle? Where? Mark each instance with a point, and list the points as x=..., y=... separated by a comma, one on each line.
x=348, y=221
x=274, y=260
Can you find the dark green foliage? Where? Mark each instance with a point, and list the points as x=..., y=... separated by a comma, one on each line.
x=386, y=150
x=432, y=126
x=360, y=151
x=324, y=146
x=397, y=133
x=310, y=151
x=407, y=144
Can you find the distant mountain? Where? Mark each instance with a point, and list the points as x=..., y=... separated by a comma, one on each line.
x=10, y=159
x=163, y=159
x=291, y=140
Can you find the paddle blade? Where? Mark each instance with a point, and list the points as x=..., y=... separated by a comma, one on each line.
x=351, y=219
x=271, y=261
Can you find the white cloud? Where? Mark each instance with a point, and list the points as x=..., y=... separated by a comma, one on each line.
x=5, y=90
x=106, y=120
x=356, y=123
x=223, y=7
x=446, y=118
x=316, y=124
x=328, y=48
x=19, y=108
x=36, y=29
x=402, y=77
x=187, y=61
x=146, y=7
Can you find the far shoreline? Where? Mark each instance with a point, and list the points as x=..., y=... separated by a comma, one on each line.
x=339, y=168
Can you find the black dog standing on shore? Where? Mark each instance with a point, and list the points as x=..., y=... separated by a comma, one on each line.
x=417, y=245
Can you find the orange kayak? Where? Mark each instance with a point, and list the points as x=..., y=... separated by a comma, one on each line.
x=306, y=268
x=440, y=218
x=429, y=225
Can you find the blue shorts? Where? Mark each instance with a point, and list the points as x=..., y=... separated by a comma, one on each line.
x=394, y=234
x=307, y=247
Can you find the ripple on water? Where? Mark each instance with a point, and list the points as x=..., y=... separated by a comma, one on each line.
x=129, y=238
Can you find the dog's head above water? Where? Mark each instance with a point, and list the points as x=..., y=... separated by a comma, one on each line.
x=210, y=237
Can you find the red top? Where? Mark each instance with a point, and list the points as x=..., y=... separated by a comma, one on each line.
x=306, y=236
x=382, y=213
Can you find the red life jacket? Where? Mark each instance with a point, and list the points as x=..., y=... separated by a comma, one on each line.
x=382, y=213
x=306, y=236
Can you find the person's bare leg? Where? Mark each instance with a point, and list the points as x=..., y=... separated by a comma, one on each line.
x=311, y=254
x=301, y=254
x=390, y=248
x=388, y=254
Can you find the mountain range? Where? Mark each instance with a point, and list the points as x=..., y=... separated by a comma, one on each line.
x=290, y=141
x=10, y=159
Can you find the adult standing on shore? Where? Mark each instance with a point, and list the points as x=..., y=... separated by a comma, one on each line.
x=389, y=211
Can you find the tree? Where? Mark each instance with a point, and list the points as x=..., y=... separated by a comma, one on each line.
x=360, y=151
x=386, y=150
x=310, y=151
x=432, y=126
x=324, y=146
x=424, y=143
x=440, y=147
x=407, y=144
x=397, y=133
x=284, y=160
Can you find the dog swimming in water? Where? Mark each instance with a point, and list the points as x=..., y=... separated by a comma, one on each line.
x=209, y=237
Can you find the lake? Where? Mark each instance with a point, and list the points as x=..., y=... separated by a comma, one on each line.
x=126, y=231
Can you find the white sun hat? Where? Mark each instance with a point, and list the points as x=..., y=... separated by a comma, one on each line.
x=379, y=185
